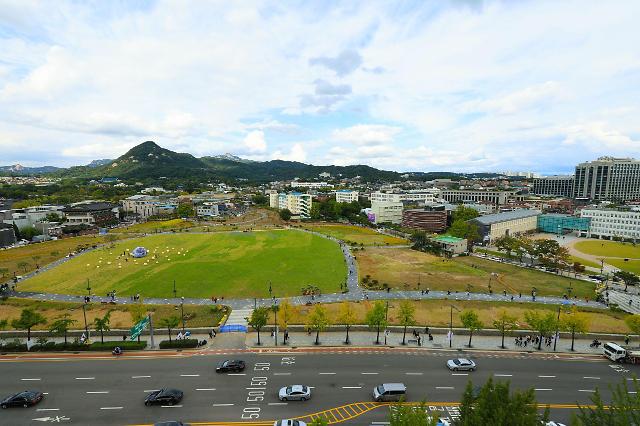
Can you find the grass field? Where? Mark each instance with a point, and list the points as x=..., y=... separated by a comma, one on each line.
x=121, y=315
x=356, y=234
x=608, y=248
x=156, y=226
x=630, y=266
x=584, y=262
x=403, y=268
x=42, y=253
x=237, y=265
x=435, y=313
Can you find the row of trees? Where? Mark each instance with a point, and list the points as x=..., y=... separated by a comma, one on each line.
x=546, y=252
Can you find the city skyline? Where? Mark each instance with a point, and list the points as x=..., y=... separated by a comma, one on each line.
x=455, y=86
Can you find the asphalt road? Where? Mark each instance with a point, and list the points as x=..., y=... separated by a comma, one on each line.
x=112, y=391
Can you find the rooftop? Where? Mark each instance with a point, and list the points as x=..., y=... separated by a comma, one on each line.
x=449, y=239
x=506, y=216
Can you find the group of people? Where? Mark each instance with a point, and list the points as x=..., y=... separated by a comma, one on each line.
x=214, y=299
x=135, y=298
x=533, y=340
x=112, y=295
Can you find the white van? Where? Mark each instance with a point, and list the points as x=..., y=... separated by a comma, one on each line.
x=389, y=392
x=614, y=352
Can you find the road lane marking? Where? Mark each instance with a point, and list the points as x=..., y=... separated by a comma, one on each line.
x=151, y=390
x=97, y=391
x=206, y=389
x=85, y=378
x=459, y=374
x=543, y=389
x=591, y=377
x=140, y=377
x=413, y=374
x=281, y=374
x=48, y=409
x=445, y=387
x=189, y=375
x=111, y=408
x=222, y=405
x=171, y=406
x=369, y=373
x=547, y=377
x=586, y=390
x=237, y=374
x=503, y=375
x=277, y=403
x=352, y=387
x=326, y=373
x=30, y=380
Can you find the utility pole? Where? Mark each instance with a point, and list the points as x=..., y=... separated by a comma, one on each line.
x=555, y=338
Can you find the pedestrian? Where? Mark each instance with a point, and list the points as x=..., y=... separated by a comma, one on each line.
x=426, y=330
x=215, y=333
x=211, y=334
x=419, y=341
x=520, y=295
x=626, y=339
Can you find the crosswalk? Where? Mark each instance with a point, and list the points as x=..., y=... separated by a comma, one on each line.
x=622, y=300
x=239, y=316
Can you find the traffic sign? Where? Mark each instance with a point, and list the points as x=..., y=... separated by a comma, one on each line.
x=136, y=330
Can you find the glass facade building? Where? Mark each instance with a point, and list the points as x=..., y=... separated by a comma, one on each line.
x=562, y=223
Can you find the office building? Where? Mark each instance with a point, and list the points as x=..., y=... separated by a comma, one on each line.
x=7, y=235
x=346, y=196
x=207, y=209
x=608, y=178
x=556, y=186
x=310, y=185
x=430, y=219
x=612, y=223
x=479, y=196
x=559, y=224
x=408, y=197
x=145, y=206
x=385, y=212
x=493, y=226
x=297, y=203
x=93, y=213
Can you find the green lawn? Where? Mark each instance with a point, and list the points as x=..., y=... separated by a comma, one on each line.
x=584, y=262
x=356, y=234
x=234, y=265
x=608, y=248
x=403, y=268
x=630, y=266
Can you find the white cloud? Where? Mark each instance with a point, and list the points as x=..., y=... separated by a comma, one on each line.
x=255, y=142
x=528, y=97
x=367, y=134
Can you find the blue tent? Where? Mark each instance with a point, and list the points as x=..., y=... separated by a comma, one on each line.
x=139, y=252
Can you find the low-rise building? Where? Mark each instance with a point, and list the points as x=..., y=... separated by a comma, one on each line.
x=297, y=203
x=417, y=197
x=145, y=206
x=385, y=212
x=452, y=246
x=612, y=223
x=494, y=197
x=559, y=224
x=429, y=219
x=346, y=196
x=310, y=185
x=207, y=209
x=493, y=226
x=92, y=213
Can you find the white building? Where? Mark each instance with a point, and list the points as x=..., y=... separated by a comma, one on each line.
x=145, y=206
x=310, y=185
x=386, y=212
x=346, y=196
x=32, y=215
x=207, y=209
x=297, y=203
x=608, y=178
x=609, y=223
x=422, y=196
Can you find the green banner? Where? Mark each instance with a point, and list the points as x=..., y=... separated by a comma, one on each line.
x=138, y=327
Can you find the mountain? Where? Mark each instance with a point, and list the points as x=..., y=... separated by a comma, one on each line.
x=150, y=161
x=18, y=169
x=98, y=163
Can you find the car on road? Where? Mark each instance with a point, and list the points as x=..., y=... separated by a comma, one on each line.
x=295, y=393
x=230, y=365
x=461, y=364
x=164, y=397
x=22, y=399
x=289, y=422
x=170, y=423
x=554, y=424
x=389, y=392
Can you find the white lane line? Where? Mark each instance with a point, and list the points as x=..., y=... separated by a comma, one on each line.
x=189, y=375
x=503, y=375
x=171, y=406
x=111, y=408
x=591, y=377
x=30, y=380
x=222, y=405
x=206, y=389
x=45, y=393
x=281, y=374
x=546, y=377
x=352, y=387
x=277, y=403
x=413, y=374
x=97, y=391
x=632, y=392
x=85, y=378
x=151, y=390
x=459, y=374
x=140, y=377
x=586, y=390
x=445, y=387
x=237, y=374
x=48, y=409
x=326, y=374
x=371, y=374
x=543, y=389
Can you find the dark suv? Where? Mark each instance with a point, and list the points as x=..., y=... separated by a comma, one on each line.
x=230, y=365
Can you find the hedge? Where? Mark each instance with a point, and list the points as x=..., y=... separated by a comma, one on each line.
x=178, y=344
x=72, y=346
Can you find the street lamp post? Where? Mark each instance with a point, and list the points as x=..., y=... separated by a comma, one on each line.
x=86, y=327
x=451, y=325
x=174, y=289
x=386, y=319
x=275, y=320
x=555, y=338
x=182, y=312
x=270, y=289
x=88, y=287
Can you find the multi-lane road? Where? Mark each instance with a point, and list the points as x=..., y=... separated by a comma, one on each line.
x=111, y=391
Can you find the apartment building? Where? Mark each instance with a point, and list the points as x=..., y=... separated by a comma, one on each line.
x=608, y=178
x=557, y=186
x=478, y=196
x=297, y=203
x=610, y=223
x=346, y=196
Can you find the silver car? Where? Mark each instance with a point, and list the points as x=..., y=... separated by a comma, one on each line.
x=461, y=364
x=295, y=393
x=289, y=422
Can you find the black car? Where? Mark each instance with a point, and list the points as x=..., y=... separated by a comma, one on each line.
x=230, y=365
x=164, y=397
x=22, y=399
x=170, y=423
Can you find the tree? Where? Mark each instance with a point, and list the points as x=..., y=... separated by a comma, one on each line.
x=403, y=415
x=578, y=268
x=507, y=244
x=376, y=318
x=471, y=321
x=544, y=325
x=102, y=324
x=4, y=271
x=62, y=325
x=285, y=214
x=28, y=232
x=287, y=313
x=494, y=404
x=260, y=200
x=633, y=322
x=524, y=246
x=319, y=421
x=462, y=229
x=575, y=322
x=505, y=323
x=628, y=278
x=36, y=258
x=318, y=320
x=170, y=323
x=28, y=319
x=185, y=210
x=465, y=213
x=16, y=231
x=347, y=317
x=23, y=265
x=621, y=411
x=406, y=317
x=258, y=319
x=53, y=217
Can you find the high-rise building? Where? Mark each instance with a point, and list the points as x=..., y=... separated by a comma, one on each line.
x=557, y=186
x=608, y=178
x=297, y=203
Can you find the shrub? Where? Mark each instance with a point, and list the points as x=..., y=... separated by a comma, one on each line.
x=179, y=344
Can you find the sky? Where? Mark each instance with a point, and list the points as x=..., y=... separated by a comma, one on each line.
x=407, y=86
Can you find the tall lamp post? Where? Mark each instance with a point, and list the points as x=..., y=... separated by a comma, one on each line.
x=174, y=289
x=451, y=325
x=84, y=312
x=182, y=312
x=88, y=287
x=270, y=290
x=555, y=338
x=275, y=319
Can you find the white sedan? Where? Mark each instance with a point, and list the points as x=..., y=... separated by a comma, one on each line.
x=289, y=422
x=295, y=393
x=461, y=364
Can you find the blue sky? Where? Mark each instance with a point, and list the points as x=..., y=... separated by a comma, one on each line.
x=424, y=85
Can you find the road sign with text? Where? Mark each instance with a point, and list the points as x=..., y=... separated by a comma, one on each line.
x=136, y=330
